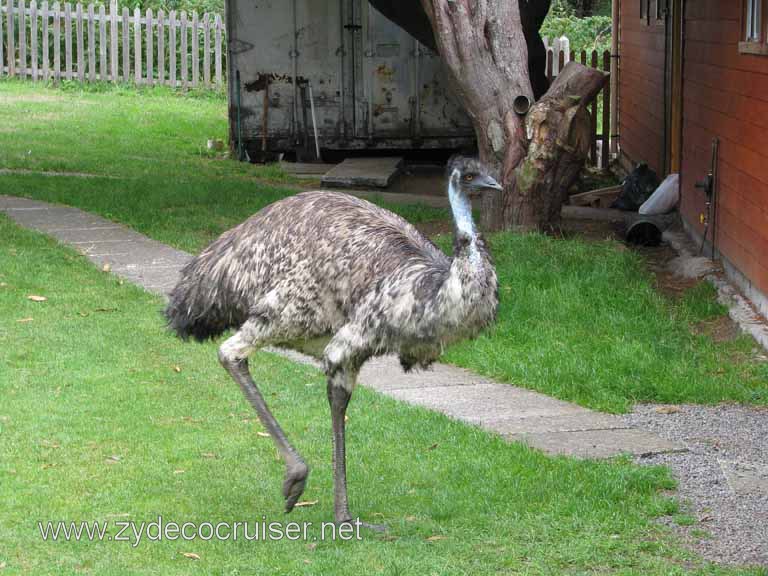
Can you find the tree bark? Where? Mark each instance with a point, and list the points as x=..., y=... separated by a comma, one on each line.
x=537, y=157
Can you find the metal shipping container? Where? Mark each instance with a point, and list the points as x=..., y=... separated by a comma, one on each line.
x=373, y=86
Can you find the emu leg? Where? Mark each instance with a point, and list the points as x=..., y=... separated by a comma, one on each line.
x=338, y=398
x=233, y=356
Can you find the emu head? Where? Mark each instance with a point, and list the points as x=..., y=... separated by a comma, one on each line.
x=469, y=175
x=465, y=176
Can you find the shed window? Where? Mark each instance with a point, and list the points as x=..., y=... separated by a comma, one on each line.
x=754, y=28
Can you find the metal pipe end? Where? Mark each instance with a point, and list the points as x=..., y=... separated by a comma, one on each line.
x=522, y=105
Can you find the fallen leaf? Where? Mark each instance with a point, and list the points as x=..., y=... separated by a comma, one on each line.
x=667, y=409
x=106, y=268
x=178, y=471
x=106, y=310
x=433, y=446
x=190, y=555
x=410, y=518
x=3, y=284
x=36, y=298
x=263, y=434
x=209, y=455
x=46, y=466
x=113, y=459
x=3, y=565
x=435, y=538
x=307, y=561
x=24, y=320
x=177, y=368
x=305, y=503
x=346, y=418
x=83, y=314
x=311, y=545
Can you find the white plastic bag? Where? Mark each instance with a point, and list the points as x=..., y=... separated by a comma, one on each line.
x=664, y=199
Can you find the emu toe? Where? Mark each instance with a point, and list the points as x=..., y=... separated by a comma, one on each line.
x=293, y=485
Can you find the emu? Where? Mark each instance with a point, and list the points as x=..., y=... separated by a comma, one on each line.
x=343, y=279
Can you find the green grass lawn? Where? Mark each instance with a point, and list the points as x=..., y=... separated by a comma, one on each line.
x=106, y=417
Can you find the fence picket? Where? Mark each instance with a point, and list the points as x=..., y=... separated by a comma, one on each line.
x=80, y=44
x=68, y=41
x=113, y=55
x=172, y=49
x=45, y=54
x=11, y=45
x=217, y=24
x=150, y=58
x=183, y=55
x=195, y=50
x=126, y=46
x=206, y=51
x=33, y=43
x=91, y=45
x=160, y=47
x=102, y=44
x=56, y=41
x=137, y=70
x=22, y=39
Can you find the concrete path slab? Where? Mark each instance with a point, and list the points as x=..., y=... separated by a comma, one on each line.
x=520, y=415
x=363, y=173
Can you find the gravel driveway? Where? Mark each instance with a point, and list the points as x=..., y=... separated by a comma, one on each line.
x=723, y=478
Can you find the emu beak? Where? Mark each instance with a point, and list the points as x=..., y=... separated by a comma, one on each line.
x=488, y=183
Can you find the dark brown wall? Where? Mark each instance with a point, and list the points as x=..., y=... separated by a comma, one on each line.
x=641, y=86
x=726, y=95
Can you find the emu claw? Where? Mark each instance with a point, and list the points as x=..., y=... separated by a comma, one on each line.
x=293, y=485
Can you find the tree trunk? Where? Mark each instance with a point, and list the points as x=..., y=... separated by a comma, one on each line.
x=538, y=156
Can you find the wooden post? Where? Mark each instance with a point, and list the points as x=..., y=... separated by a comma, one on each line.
x=137, y=71
x=45, y=54
x=68, y=41
x=33, y=40
x=195, y=50
x=126, y=28
x=217, y=49
x=11, y=42
x=102, y=44
x=91, y=44
x=56, y=42
x=113, y=55
x=22, y=38
x=172, y=48
x=150, y=55
x=183, y=55
x=80, y=43
x=550, y=65
x=593, y=145
x=606, y=155
x=161, y=47
x=206, y=51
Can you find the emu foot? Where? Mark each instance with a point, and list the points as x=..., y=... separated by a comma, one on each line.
x=293, y=485
x=367, y=525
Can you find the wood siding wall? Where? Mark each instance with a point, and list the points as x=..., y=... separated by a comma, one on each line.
x=726, y=96
x=641, y=85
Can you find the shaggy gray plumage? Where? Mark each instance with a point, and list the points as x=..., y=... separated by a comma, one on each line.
x=336, y=276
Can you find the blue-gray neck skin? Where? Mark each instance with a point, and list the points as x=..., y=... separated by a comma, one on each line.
x=462, y=209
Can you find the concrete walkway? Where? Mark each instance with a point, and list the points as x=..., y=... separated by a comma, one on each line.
x=517, y=414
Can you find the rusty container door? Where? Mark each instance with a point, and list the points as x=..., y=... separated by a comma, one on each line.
x=388, y=65
x=439, y=112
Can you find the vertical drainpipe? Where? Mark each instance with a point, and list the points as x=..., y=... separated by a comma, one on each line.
x=614, y=129
x=295, y=62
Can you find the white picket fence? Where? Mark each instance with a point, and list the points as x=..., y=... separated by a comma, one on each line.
x=91, y=44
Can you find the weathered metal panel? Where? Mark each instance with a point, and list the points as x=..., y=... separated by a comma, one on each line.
x=374, y=86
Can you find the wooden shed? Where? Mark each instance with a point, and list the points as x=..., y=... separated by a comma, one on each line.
x=690, y=72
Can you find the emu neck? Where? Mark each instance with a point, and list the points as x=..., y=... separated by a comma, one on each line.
x=465, y=241
x=462, y=209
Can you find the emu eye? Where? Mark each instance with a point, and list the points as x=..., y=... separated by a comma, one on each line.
x=469, y=177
